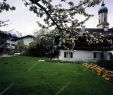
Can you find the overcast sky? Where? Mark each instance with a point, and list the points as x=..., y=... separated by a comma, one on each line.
x=24, y=21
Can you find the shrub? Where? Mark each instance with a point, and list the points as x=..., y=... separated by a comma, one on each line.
x=108, y=64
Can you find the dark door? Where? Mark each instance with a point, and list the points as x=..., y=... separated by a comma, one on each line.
x=110, y=56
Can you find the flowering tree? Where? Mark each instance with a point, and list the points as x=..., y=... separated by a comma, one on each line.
x=87, y=40
x=62, y=16
x=43, y=43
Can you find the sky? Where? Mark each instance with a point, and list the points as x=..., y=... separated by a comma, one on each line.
x=24, y=21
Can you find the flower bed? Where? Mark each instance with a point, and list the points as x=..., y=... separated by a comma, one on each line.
x=106, y=74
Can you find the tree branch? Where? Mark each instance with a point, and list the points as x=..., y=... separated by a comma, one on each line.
x=48, y=14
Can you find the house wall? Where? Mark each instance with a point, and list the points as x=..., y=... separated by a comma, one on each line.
x=80, y=55
x=27, y=41
x=10, y=44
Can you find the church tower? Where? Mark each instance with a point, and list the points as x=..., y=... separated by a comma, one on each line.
x=103, y=12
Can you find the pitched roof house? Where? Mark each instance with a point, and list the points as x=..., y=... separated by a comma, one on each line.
x=9, y=42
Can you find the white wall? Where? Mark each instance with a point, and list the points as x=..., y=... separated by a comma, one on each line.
x=80, y=55
x=10, y=46
x=27, y=41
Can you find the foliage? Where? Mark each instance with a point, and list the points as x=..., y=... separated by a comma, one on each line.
x=2, y=40
x=58, y=15
x=61, y=16
x=79, y=40
x=4, y=6
x=108, y=64
x=86, y=40
x=43, y=45
x=20, y=47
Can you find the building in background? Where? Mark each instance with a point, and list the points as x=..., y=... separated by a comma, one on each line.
x=9, y=44
x=23, y=43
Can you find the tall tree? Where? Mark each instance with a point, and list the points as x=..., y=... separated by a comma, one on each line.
x=61, y=14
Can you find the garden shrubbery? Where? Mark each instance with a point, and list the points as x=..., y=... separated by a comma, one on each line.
x=107, y=64
x=38, y=50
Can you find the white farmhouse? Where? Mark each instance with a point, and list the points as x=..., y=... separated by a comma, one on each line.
x=27, y=39
x=85, y=55
x=9, y=42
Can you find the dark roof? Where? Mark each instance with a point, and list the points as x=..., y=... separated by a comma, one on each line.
x=27, y=36
x=110, y=30
x=7, y=35
x=13, y=37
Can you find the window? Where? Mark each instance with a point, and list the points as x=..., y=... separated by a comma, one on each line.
x=71, y=55
x=12, y=44
x=95, y=55
x=64, y=54
x=99, y=20
x=105, y=18
x=68, y=54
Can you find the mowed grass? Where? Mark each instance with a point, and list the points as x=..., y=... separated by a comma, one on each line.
x=31, y=77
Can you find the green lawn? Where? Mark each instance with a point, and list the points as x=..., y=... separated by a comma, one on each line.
x=31, y=77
